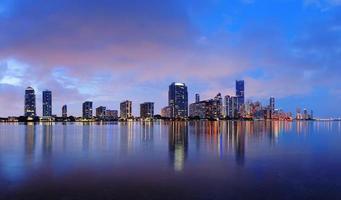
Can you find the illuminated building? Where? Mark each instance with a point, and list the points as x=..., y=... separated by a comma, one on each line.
x=30, y=102
x=100, y=112
x=47, y=103
x=272, y=104
x=207, y=109
x=64, y=111
x=234, y=106
x=228, y=107
x=178, y=100
x=126, y=110
x=240, y=92
x=147, y=110
x=87, y=110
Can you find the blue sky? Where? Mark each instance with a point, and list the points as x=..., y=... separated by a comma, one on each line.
x=109, y=51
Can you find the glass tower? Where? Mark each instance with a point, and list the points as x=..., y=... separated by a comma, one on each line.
x=87, y=110
x=240, y=92
x=30, y=102
x=178, y=100
x=47, y=103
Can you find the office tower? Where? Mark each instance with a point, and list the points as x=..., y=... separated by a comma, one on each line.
x=100, y=112
x=30, y=102
x=178, y=100
x=272, y=104
x=47, y=103
x=87, y=110
x=126, y=109
x=234, y=104
x=64, y=111
x=240, y=92
x=147, y=110
x=228, y=107
x=197, y=98
x=217, y=106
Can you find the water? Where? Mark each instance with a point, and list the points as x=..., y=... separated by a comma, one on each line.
x=165, y=160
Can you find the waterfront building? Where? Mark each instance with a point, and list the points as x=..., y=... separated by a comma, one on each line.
x=272, y=104
x=30, y=102
x=100, y=112
x=147, y=110
x=111, y=114
x=240, y=92
x=47, y=103
x=87, y=110
x=178, y=100
x=234, y=105
x=166, y=112
x=199, y=109
x=207, y=109
x=64, y=111
x=126, y=110
x=227, y=106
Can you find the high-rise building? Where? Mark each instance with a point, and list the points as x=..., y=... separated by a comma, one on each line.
x=100, y=112
x=240, y=92
x=30, y=102
x=147, y=110
x=126, y=109
x=178, y=100
x=87, y=110
x=228, y=108
x=234, y=105
x=197, y=98
x=47, y=103
x=207, y=109
x=64, y=111
x=272, y=104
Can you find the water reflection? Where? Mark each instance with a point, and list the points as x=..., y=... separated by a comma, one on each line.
x=30, y=140
x=178, y=144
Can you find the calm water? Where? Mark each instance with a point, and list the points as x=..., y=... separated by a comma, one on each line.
x=165, y=160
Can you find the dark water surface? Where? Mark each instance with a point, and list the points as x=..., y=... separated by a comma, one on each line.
x=171, y=160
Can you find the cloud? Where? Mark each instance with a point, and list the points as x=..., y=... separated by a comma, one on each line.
x=108, y=51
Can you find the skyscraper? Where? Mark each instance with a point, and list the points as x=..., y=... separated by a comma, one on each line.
x=228, y=106
x=30, y=102
x=126, y=109
x=272, y=104
x=240, y=92
x=87, y=110
x=197, y=98
x=178, y=100
x=47, y=103
x=64, y=111
x=147, y=110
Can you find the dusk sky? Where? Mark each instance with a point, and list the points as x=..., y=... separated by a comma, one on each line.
x=107, y=51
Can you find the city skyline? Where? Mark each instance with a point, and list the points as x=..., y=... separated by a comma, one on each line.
x=133, y=50
x=217, y=108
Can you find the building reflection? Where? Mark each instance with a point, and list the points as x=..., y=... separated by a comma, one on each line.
x=86, y=137
x=30, y=140
x=47, y=139
x=178, y=144
x=239, y=141
x=147, y=129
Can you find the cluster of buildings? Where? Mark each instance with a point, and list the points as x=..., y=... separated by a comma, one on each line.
x=217, y=108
